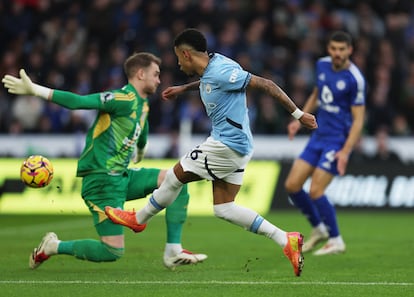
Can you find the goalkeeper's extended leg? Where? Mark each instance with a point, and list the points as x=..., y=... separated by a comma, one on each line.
x=84, y=249
x=144, y=181
x=175, y=217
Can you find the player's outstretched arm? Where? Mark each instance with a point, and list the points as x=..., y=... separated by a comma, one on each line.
x=173, y=92
x=269, y=87
x=24, y=86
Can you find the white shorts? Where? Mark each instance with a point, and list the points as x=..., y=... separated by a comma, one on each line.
x=213, y=160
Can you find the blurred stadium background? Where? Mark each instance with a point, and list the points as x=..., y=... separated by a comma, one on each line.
x=81, y=45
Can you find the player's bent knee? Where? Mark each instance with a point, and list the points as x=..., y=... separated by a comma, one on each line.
x=111, y=254
x=292, y=187
x=96, y=251
x=314, y=195
x=172, y=180
x=224, y=211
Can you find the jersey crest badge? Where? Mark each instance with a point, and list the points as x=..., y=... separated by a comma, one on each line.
x=106, y=96
x=208, y=88
x=340, y=84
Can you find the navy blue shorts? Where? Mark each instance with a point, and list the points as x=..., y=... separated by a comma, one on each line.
x=320, y=153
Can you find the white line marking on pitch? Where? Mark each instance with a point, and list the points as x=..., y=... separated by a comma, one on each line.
x=316, y=283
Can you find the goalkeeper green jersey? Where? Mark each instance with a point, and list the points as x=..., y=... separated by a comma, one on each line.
x=120, y=125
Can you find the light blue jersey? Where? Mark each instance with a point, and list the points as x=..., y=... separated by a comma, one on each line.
x=223, y=92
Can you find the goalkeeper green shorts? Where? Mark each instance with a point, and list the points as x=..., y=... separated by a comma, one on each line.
x=100, y=190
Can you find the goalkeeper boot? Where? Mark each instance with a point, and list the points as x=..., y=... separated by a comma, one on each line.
x=183, y=258
x=293, y=251
x=317, y=235
x=125, y=218
x=333, y=246
x=47, y=247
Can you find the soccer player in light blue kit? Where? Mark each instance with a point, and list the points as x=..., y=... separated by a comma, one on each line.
x=339, y=96
x=223, y=157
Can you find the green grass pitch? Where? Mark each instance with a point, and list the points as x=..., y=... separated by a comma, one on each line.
x=379, y=260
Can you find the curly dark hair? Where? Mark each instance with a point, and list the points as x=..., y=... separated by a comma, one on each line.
x=192, y=37
x=341, y=36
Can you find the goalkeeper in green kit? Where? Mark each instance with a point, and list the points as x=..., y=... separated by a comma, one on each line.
x=118, y=135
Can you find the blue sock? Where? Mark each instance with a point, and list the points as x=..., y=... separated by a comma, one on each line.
x=302, y=201
x=328, y=215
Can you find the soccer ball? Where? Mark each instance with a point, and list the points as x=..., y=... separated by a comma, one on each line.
x=36, y=171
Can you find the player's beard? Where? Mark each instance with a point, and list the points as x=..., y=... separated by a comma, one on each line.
x=151, y=89
x=339, y=63
x=187, y=71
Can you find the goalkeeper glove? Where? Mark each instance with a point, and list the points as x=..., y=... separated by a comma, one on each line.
x=24, y=86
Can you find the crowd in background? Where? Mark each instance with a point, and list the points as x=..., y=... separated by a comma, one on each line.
x=80, y=46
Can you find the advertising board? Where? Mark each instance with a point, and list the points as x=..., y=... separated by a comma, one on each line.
x=63, y=194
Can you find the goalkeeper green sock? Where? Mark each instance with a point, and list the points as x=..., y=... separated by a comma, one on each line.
x=91, y=250
x=175, y=216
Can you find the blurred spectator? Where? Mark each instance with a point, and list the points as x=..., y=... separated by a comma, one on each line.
x=270, y=118
x=5, y=116
x=50, y=31
x=384, y=153
x=27, y=111
x=115, y=68
x=358, y=155
x=255, y=45
x=128, y=20
x=173, y=151
x=100, y=24
x=229, y=38
x=400, y=126
x=54, y=118
x=380, y=111
x=406, y=102
x=37, y=64
x=9, y=63
x=16, y=22
x=370, y=23
x=207, y=12
x=192, y=109
x=72, y=40
x=93, y=65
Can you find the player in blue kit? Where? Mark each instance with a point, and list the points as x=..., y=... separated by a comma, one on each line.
x=339, y=96
x=223, y=157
